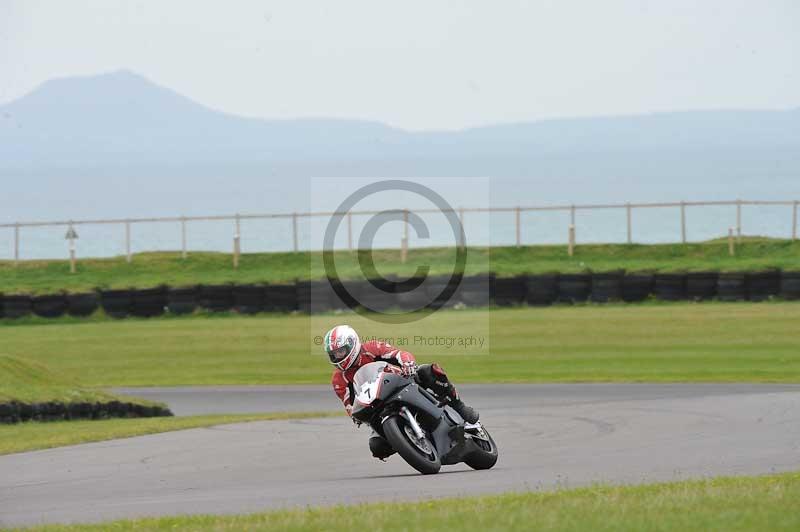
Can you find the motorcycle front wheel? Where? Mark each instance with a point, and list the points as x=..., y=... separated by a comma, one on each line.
x=419, y=453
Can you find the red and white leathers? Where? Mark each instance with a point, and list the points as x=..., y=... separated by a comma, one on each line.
x=370, y=352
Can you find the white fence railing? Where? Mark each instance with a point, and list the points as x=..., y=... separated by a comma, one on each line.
x=514, y=213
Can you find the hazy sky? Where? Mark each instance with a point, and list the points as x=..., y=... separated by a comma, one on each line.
x=420, y=64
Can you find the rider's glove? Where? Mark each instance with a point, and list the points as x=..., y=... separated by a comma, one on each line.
x=356, y=422
x=409, y=368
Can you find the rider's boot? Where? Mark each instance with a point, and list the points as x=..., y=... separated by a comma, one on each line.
x=380, y=448
x=433, y=376
x=469, y=414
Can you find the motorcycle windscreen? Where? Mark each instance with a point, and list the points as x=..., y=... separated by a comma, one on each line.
x=367, y=382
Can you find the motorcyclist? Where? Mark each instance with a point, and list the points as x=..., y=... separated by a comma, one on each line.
x=347, y=354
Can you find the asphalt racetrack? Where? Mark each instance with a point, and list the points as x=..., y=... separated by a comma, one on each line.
x=550, y=435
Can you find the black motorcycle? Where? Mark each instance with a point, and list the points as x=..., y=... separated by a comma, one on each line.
x=426, y=432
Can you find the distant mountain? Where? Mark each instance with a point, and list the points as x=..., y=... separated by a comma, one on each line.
x=121, y=119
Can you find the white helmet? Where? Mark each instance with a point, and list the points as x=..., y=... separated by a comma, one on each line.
x=343, y=346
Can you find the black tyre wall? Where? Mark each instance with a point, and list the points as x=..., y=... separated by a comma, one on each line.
x=606, y=287
x=636, y=287
x=701, y=286
x=216, y=298
x=148, y=302
x=116, y=303
x=314, y=296
x=280, y=298
x=507, y=291
x=670, y=287
x=475, y=291
x=790, y=285
x=763, y=285
x=82, y=305
x=182, y=300
x=412, y=294
x=731, y=287
x=574, y=287
x=378, y=298
x=248, y=298
x=16, y=306
x=541, y=289
x=50, y=306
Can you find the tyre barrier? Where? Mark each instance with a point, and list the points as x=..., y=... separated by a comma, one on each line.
x=148, y=302
x=182, y=300
x=375, y=294
x=316, y=296
x=52, y=306
x=541, y=289
x=574, y=287
x=280, y=298
x=411, y=294
x=732, y=287
x=606, y=287
x=636, y=288
x=474, y=291
x=508, y=291
x=670, y=287
x=761, y=286
x=15, y=411
x=790, y=286
x=16, y=306
x=82, y=305
x=701, y=286
x=248, y=298
x=116, y=303
x=216, y=298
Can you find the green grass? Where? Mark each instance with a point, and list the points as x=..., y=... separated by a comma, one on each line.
x=31, y=382
x=30, y=436
x=152, y=269
x=677, y=342
x=724, y=504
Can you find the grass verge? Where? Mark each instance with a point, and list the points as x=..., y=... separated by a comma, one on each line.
x=153, y=269
x=676, y=342
x=27, y=381
x=726, y=504
x=30, y=436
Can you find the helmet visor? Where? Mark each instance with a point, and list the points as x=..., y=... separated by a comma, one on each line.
x=337, y=355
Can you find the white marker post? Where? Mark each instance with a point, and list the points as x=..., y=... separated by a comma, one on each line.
x=731, y=243
x=72, y=236
x=236, y=244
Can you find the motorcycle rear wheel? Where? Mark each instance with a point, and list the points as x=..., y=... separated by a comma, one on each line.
x=486, y=457
x=395, y=430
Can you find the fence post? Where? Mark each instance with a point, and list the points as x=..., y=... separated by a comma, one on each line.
x=183, y=237
x=350, y=231
x=71, y=235
x=463, y=236
x=16, y=243
x=794, y=221
x=738, y=220
x=683, y=222
x=294, y=230
x=519, y=237
x=571, y=248
x=236, y=243
x=630, y=228
x=572, y=215
x=128, y=257
x=731, y=245
x=404, y=238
